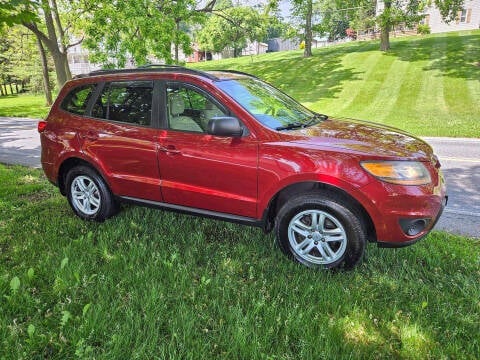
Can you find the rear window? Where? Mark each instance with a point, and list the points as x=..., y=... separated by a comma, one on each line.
x=76, y=101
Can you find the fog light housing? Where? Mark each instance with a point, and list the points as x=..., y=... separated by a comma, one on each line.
x=412, y=227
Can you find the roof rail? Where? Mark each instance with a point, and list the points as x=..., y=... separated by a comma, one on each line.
x=151, y=68
x=237, y=72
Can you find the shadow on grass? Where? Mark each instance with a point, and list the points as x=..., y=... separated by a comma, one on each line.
x=320, y=76
x=453, y=56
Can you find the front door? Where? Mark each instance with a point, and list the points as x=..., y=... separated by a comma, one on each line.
x=200, y=170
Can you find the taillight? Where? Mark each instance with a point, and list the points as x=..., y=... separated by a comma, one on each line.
x=41, y=126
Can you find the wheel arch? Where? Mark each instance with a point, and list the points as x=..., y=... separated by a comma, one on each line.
x=69, y=164
x=284, y=194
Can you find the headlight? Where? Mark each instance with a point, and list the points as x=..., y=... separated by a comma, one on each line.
x=398, y=172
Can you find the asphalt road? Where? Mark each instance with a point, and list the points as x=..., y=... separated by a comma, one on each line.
x=460, y=158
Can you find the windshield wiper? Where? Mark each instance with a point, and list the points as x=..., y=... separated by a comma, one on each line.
x=290, y=126
x=316, y=117
x=297, y=125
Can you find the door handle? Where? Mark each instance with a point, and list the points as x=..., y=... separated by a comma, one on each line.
x=90, y=135
x=170, y=149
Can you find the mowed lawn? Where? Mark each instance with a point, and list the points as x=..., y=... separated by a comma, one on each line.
x=429, y=86
x=23, y=105
x=154, y=285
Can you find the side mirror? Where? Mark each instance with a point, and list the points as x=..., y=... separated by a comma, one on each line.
x=225, y=126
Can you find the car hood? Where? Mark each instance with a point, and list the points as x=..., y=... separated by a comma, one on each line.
x=364, y=138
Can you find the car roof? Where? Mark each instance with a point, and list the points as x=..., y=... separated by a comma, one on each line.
x=214, y=75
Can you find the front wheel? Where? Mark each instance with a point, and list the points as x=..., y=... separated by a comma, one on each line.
x=319, y=230
x=89, y=195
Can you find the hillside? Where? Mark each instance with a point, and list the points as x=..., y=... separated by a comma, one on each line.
x=429, y=85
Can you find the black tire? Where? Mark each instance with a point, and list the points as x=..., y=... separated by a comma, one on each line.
x=320, y=230
x=89, y=195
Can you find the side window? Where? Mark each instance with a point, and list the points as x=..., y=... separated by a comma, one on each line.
x=125, y=101
x=189, y=109
x=76, y=101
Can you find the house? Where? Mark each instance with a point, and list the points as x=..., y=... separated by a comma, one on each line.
x=78, y=61
x=467, y=19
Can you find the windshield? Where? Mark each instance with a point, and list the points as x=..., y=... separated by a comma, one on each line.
x=268, y=105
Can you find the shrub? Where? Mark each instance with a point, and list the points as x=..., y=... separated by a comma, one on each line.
x=423, y=29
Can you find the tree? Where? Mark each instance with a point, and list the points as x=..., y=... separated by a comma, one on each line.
x=339, y=15
x=43, y=18
x=394, y=13
x=54, y=39
x=303, y=9
x=117, y=31
x=408, y=12
x=19, y=61
x=231, y=28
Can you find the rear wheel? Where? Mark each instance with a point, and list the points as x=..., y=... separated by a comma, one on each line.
x=89, y=195
x=319, y=230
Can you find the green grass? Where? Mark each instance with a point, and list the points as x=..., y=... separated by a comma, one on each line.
x=429, y=86
x=23, y=105
x=149, y=284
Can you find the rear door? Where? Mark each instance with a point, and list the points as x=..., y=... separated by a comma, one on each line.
x=119, y=134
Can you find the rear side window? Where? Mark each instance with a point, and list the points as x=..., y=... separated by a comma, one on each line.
x=125, y=101
x=76, y=101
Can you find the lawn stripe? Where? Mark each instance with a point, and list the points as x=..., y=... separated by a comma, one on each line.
x=358, y=91
x=384, y=100
x=430, y=102
x=455, y=86
x=411, y=86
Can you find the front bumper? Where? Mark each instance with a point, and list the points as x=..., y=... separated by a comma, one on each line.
x=429, y=226
x=402, y=215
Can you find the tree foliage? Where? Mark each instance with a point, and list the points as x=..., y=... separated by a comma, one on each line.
x=339, y=15
x=19, y=59
x=43, y=18
x=232, y=27
x=141, y=29
x=449, y=8
x=17, y=11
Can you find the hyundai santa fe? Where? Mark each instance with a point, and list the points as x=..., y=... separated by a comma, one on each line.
x=226, y=145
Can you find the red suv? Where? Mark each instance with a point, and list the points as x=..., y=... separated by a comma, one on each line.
x=226, y=145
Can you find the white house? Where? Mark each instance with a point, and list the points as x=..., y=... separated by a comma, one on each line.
x=467, y=19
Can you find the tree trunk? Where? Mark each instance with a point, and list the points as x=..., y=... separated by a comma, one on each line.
x=385, y=27
x=46, y=77
x=308, y=30
x=51, y=41
x=385, y=38
x=177, y=29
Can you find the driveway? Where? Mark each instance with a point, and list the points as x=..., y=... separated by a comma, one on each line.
x=460, y=158
x=19, y=142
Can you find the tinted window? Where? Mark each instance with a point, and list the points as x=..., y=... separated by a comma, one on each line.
x=76, y=101
x=125, y=101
